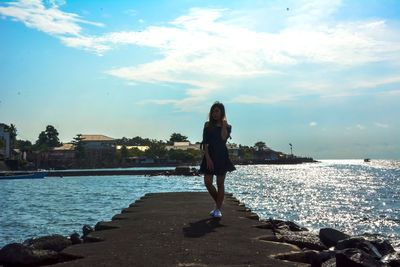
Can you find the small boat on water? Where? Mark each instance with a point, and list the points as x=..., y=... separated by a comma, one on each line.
x=367, y=160
x=29, y=175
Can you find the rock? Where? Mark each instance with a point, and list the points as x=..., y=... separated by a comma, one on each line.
x=75, y=239
x=353, y=257
x=359, y=243
x=16, y=254
x=329, y=236
x=182, y=170
x=281, y=225
x=329, y=263
x=87, y=229
x=392, y=259
x=51, y=242
x=303, y=239
x=326, y=255
x=384, y=247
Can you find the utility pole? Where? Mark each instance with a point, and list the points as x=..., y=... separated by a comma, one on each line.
x=291, y=149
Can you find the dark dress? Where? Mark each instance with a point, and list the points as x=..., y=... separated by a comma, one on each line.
x=217, y=150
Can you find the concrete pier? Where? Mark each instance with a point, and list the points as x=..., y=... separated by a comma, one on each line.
x=175, y=229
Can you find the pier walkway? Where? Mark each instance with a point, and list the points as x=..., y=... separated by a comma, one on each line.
x=175, y=229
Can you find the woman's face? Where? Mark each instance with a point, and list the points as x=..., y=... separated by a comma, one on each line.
x=216, y=114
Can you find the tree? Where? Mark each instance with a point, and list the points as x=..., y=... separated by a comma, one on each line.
x=24, y=145
x=49, y=138
x=156, y=150
x=177, y=137
x=260, y=145
x=79, y=148
x=180, y=155
x=13, y=134
x=124, y=152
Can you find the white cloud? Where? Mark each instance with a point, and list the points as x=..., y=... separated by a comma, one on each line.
x=361, y=127
x=252, y=99
x=49, y=19
x=375, y=82
x=313, y=124
x=204, y=46
x=207, y=49
x=381, y=125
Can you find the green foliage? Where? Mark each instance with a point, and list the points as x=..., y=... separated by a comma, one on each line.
x=180, y=155
x=79, y=148
x=260, y=145
x=135, y=141
x=48, y=138
x=177, y=137
x=23, y=145
x=156, y=150
x=124, y=152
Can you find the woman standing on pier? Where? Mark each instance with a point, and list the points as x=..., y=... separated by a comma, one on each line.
x=216, y=158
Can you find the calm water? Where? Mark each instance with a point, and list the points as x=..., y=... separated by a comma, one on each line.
x=348, y=195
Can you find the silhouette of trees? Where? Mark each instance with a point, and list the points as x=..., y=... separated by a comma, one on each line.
x=177, y=137
x=260, y=145
x=48, y=138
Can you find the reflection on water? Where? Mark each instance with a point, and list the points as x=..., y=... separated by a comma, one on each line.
x=352, y=196
x=349, y=195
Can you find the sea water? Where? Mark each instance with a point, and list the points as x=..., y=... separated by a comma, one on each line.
x=348, y=195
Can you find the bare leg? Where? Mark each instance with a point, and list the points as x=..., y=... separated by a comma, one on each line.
x=208, y=181
x=221, y=190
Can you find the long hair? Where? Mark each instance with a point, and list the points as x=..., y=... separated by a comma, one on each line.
x=211, y=121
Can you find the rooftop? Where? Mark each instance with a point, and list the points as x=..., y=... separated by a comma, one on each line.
x=96, y=137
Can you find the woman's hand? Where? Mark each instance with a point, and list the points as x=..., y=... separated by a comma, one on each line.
x=210, y=164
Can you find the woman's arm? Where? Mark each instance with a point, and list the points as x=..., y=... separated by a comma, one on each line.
x=224, y=131
x=209, y=162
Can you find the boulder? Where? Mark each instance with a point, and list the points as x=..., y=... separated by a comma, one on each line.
x=329, y=236
x=359, y=243
x=392, y=259
x=16, y=254
x=75, y=239
x=329, y=263
x=304, y=239
x=353, y=257
x=51, y=242
x=281, y=225
x=384, y=247
x=87, y=229
x=182, y=170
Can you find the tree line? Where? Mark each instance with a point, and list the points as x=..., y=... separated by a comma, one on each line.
x=49, y=138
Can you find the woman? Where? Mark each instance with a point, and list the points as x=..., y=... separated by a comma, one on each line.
x=216, y=158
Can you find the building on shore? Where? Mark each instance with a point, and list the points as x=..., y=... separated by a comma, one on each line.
x=62, y=156
x=99, y=149
x=183, y=146
x=233, y=149
x=5, y=142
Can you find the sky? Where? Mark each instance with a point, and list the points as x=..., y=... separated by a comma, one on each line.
x=321, y=75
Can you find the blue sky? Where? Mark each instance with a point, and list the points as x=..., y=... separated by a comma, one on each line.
x=322, y=75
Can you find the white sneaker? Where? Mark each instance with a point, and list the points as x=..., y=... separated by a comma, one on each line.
x=212, y=212
x=217, y=213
